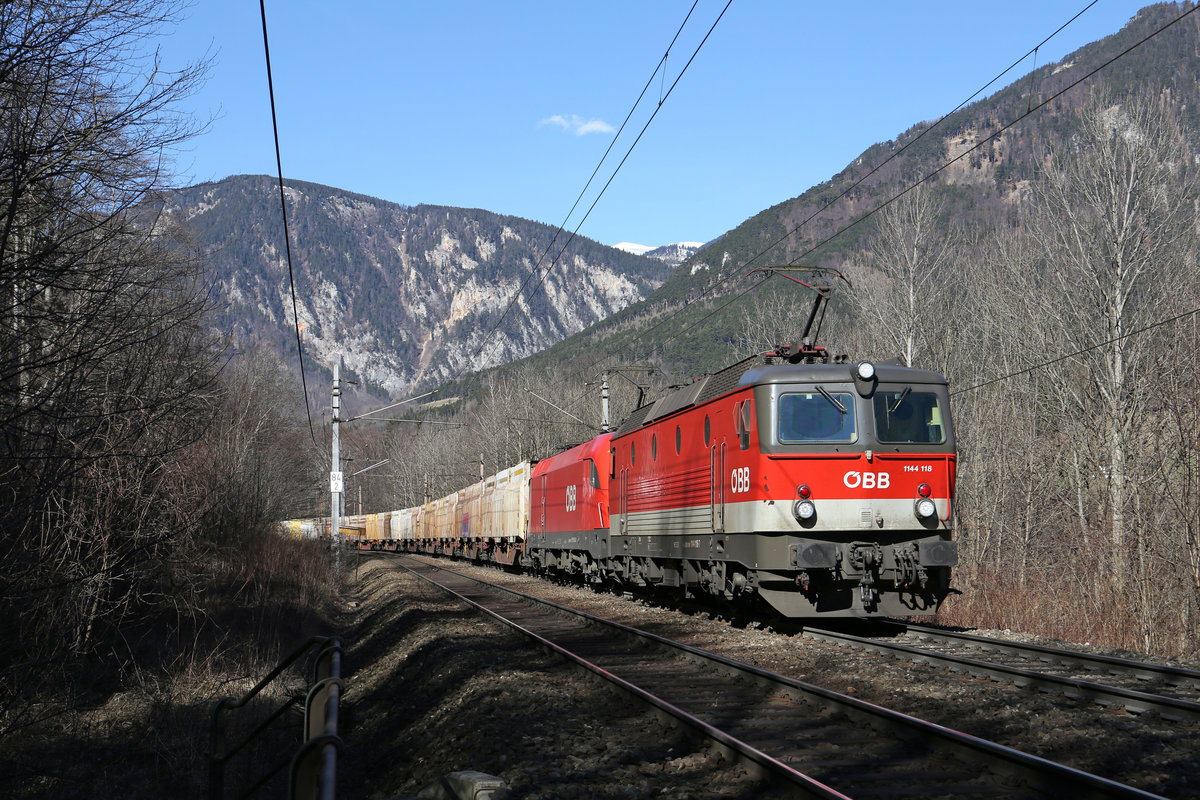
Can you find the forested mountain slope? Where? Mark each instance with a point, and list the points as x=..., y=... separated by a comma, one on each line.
x=980, y=163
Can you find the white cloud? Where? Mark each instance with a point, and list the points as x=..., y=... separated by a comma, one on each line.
x=577, y=125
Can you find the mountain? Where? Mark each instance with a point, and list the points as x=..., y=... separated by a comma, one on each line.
x=408, y=296
x=675, y=254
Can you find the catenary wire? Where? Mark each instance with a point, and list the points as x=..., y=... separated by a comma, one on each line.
x=629, y=152
x=286, y=236
x=659, y=68
x=932, y=127
x=622, y=163
x=908, y=189
x=517, y=295
x=994, y=134
x=1160, y=323
x=734, y=273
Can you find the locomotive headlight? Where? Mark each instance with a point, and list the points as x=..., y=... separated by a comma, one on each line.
x=926, y=508
x=804, y=510
x=864, y=371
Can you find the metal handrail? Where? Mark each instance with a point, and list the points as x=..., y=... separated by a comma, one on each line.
x=314, y=769
x=310, y=778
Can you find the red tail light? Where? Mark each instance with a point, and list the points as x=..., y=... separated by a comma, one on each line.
x=924, y=490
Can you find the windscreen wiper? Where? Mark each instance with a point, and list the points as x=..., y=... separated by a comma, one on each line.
x=832, y=399
x=892, y=408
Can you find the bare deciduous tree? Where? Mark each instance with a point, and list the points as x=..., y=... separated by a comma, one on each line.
x=102, y=362
x=907, y=300
x=773, y=318
x=1116, y=223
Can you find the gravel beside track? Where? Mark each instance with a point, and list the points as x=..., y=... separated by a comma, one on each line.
x=436, y=689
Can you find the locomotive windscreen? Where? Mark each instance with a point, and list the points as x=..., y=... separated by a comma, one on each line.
x=908, y=417
x=819, y=416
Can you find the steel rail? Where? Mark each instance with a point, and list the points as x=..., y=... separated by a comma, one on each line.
x=1092, y=662
x=1133, y=701
x=1040, y=777
x=767, y=765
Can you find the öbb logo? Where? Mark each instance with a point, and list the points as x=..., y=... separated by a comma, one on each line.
x=867, y=480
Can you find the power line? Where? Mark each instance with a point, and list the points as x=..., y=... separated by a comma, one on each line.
x=1079, y=352
x=286, y=236
x=856, y=183
x=366, y=414
x=660, y=67
x=932, y=127
x=544, y=273
x=722, y=281
x=608, y=183
x=641, y=133
x=1032, y=109
x=992, y=136
x=662, y=99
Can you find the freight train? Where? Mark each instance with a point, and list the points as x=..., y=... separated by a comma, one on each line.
x=822, y=489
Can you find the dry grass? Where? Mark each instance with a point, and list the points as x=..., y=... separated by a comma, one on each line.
x=141, y=730
x=1076, y=603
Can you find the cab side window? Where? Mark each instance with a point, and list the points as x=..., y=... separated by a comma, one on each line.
x=742, y=422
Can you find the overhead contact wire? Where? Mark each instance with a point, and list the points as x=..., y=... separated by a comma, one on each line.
x=537, y=267
x=930, y=176
x=729, y=276
x=662, y=99
x=286, y=235
x=992, y=136
x=659, y=67
x=629, y=152
x=1079, y=352
x=932, y=127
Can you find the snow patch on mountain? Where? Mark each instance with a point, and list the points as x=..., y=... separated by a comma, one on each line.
x=636, y=249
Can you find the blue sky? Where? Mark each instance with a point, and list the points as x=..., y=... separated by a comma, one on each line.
x=508, y=106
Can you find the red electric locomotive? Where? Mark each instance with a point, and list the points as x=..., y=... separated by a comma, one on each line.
x=824, y=489
x=569, y=509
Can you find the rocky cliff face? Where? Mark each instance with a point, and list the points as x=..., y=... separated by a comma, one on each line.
x=408, y=296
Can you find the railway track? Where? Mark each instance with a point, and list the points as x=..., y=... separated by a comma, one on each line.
x=1138, y=687
x=822, y=743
